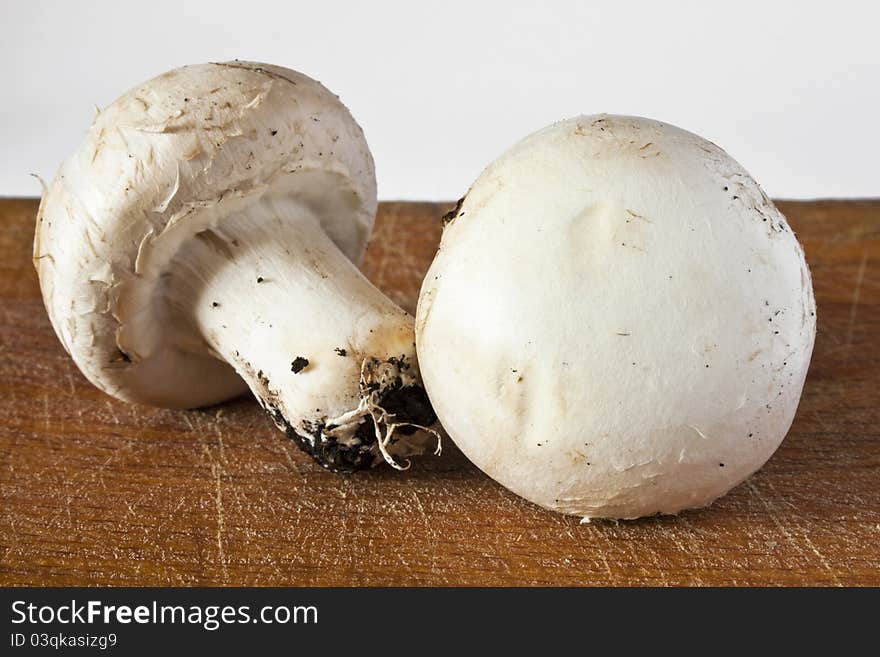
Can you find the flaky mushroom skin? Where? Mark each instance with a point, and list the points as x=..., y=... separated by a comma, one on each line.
x=201, y=240
x=633, y=317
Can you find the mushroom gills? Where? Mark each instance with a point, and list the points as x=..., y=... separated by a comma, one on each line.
x=328, y=356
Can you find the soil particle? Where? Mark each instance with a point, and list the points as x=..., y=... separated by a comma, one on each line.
x=449, y=217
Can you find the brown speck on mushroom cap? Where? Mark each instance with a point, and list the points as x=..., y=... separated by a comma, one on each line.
x=299, y=364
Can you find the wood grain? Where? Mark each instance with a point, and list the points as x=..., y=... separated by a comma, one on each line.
x=94, y=491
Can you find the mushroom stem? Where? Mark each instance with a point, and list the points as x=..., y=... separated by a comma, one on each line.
x=329, y=357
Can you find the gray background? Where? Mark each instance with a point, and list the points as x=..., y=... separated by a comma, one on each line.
x=790, y=89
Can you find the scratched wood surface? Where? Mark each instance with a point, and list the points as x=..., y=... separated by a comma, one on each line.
x=94, y=491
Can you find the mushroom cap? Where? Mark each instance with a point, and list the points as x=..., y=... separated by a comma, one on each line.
x=618, y=321
x=176, y=157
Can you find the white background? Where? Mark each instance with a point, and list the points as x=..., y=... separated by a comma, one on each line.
x=790, y=89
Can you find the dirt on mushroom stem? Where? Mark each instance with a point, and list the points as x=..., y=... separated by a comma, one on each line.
x=396, y=406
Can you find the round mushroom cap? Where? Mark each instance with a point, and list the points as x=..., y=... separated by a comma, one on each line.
x=618, y=321
x=174, y=158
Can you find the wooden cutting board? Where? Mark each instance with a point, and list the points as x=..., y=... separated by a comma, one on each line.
x=94, y=491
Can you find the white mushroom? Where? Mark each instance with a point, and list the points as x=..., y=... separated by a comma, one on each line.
x=201, y=242
x=618, y=321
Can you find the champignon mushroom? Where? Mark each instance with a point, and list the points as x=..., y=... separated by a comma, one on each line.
x=201, y=241
x=632, y=315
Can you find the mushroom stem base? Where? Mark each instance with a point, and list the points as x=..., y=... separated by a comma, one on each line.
x=392, y=422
